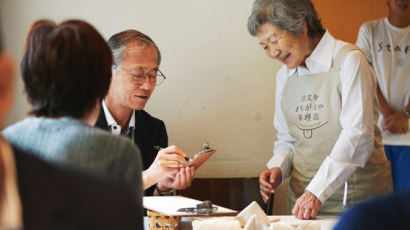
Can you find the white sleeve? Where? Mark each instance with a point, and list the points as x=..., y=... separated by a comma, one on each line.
x=355, y=143
x=364, y=41
x=284, y=146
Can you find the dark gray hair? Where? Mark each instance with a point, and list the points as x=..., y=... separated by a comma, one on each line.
x=119, y=42
x=285, y=14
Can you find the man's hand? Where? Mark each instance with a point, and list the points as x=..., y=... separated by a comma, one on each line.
x=396, y=123
x=268, y=181
x=179, y=181
x=306, y=206
x=167, y=164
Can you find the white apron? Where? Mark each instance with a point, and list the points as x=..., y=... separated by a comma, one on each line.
x=312, y=106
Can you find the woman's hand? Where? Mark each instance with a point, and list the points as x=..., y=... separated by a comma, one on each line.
x=268, y=181
x=307, y=206
x=167, y=164
x=179, y=181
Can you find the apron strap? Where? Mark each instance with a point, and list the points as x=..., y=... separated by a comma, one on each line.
x=340, y=55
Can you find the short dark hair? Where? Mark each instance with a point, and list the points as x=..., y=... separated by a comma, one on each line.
x=119, y=42
x=66, y=68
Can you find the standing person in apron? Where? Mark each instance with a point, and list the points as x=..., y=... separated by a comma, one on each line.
x=326, y=113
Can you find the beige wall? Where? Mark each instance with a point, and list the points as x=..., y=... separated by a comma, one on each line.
x=220, y=85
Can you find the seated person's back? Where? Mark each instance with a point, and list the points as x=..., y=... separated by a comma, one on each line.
x=70, y=141
x=66, y=69
x=58, y=198
x=35, y=194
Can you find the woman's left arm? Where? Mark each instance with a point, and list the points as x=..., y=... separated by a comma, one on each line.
x=355, y=143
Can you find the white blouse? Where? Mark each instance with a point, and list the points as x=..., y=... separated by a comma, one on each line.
x=358, y=118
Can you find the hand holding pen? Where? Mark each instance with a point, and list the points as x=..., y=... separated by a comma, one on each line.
x=160, y=148
x=181, y=180
x=167, y=163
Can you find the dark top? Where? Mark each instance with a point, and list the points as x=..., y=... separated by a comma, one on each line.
x=390, y=212
x=54, y=197
x=149, y=132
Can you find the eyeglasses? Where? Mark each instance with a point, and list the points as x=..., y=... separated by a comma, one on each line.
x=139, y=79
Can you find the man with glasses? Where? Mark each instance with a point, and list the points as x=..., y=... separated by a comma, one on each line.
x=135, y=75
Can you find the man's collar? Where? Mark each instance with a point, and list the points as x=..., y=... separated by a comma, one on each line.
x=320, y=60
x=132, y=120
x=110, y=119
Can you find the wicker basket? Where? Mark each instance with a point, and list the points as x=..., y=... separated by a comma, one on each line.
x=158, y=221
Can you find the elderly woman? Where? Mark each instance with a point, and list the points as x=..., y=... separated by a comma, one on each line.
x=325, y=115
x=66, y=71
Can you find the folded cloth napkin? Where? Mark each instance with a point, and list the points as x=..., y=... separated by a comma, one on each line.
x=253, y=210
x=251, y=218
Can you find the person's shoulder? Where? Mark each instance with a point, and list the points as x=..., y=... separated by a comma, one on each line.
x=15, y=130
x=145, y=116
x=370, y=27
x=19, y=124
x=353, y=54
x=120, y=144
x=116, y=155
x=389, y=212
x=281, y=77
x=98, y=138
x=373, y=23
x=106, y=139
x=282, y=74
x=77, y=129
x=86, y=193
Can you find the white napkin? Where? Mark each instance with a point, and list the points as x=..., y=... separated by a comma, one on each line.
x=293, y=223
x=301, y=226
x=251, y=218
x=228, y=223
x=254, y=224
x=253, y=210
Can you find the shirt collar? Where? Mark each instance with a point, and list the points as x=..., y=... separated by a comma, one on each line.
x=110, y=119
x=398, y=29
x=320, y=60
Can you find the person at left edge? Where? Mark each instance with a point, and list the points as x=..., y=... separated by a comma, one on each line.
x=40, y=195
x=135, y=74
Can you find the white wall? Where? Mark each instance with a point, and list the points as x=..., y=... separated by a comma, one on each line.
x=219, y=87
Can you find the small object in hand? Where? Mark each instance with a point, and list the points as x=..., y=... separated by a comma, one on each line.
x=201, y=208
x=200, y=158
x=205, y=149
x=197, y=161
x=269, y=204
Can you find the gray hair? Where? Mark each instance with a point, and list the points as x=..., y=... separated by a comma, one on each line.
x=289, y=15
x=120, y=41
